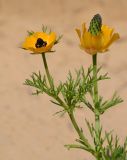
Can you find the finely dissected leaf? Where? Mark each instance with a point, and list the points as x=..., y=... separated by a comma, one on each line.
x=30, y=33
x=36, y=81
x=74, y=91
x=91, y=129
x=75, y=88
x=110, y=103
x=58, y=39
x=44, y=28
x=55, y=103
x=72, y=94
x=76, y=146
x=103, y=77
x=113, y=150
x=62, y=112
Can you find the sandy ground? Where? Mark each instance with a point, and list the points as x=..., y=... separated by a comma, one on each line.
x=28, y=129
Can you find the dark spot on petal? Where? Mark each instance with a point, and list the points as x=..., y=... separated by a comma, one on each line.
x=40, y=43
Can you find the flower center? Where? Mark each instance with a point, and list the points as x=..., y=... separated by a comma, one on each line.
x=40, y=43
x=95, y=25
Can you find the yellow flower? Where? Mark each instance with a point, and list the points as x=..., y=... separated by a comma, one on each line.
x=96, y=43
x=39, y=42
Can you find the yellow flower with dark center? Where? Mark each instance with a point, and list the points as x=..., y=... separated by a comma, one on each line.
x=39, y=42
x=96, y=43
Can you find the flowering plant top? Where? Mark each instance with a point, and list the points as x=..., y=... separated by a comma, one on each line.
x=82, y=90
x=97, y=38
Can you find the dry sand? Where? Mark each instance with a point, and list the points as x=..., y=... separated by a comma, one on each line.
x=28, y=129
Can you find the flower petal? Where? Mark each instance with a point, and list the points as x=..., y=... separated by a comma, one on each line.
x=87, y=40
x=83, y=28
x=79, y=33
x=113, y=39
x=51, y=38
x=31, y=41
x=100, y=43
x=96, y=42
x=106, y=35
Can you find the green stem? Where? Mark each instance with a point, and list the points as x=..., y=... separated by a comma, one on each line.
x=71, y=115
x=97, y=116
x=80, y=133
x=95, y=77
x=47, y=70
x=50, y=80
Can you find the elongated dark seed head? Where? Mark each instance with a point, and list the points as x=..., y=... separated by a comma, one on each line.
x=95, y=25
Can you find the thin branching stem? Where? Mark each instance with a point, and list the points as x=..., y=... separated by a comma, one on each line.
x=71, y=115
x=97, y=117
x=80, y=132
x=47, y=70
x=95, y=99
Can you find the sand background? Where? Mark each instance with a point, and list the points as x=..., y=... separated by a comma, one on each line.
x=28, y=129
